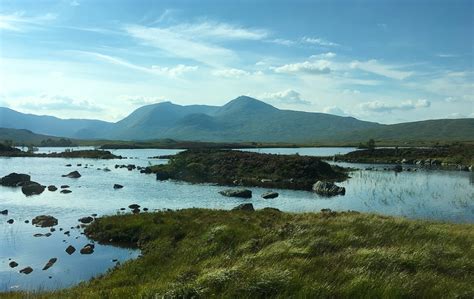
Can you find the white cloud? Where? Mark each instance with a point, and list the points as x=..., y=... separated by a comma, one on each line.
x=377, y=106
x=20, y=22
x=55, y=103
x=140, y=100
x=74, y=3
x=446, y=55
x=230, y=73
x=175, y=71
x=283, y=42
x=460, y=115
x=215, y=30
x=351, y=91
x=319, y=42
x=334, y=110
x=288, y=97
x=373, y=66
x=316, y=67
x=182, y=44
x=327, y=55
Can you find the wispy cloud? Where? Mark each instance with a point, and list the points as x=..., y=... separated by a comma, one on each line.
x=446, y=55
x=283, y=42
x=140, y=100
x=19, y=21
x=327, y=55
x=319, y=41
x=375, y=67
x=174, y=71
x=287, y=97
x=335, y=111
x=181, y=45
x=315, y=67
x=230, y=73
x=377, y=106
x=55, y=103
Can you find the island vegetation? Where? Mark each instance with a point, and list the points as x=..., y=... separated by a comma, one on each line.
x=200, y=253
x=8, y=151
x=231, y=167
x=453, y=155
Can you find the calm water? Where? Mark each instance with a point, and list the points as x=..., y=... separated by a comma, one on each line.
x=441, y=195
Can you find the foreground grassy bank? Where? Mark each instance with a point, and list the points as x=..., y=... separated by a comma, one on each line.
x=210, y=253
x=229, y=167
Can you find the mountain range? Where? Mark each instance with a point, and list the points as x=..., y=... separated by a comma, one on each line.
x=243, y=119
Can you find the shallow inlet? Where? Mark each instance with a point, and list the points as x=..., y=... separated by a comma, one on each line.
x=439, y=195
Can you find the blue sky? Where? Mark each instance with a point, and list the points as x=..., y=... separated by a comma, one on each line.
x=384, y=61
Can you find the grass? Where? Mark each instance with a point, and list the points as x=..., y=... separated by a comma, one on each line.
x=229, y=167
x=199, y=253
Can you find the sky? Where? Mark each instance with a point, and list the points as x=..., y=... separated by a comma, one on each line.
x=383, y=61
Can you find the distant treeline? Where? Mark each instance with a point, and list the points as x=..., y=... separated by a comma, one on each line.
x=62, y=142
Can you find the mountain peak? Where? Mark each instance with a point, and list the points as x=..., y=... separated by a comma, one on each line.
x=245, y=104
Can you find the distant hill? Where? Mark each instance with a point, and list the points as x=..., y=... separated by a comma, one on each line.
x=22, y=136
x=243, y=119
x=50, y=125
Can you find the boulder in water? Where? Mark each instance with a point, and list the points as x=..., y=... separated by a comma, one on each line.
x=32, y=188
x=70, y=249
x=52, y=188
x=118, y=186
x=328, y=189
x=270, y=194
x=44, y=221
x=243, y=193
x=73, y=175
x=50, y=263
x=26, y=270
x=14, y=179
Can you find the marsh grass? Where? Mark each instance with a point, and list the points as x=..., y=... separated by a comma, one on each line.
x=199, y=253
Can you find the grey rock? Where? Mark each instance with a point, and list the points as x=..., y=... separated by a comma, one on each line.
x=328, y=189
x=87, y=249
x=134, y=206
x=73, y=175
x=10, y=221
x=4, y=212
x=66, y=191
x=26, y=270
x=52, y=188
x=270, y=194
x=14, y=179
x=118, y=186
x=32, y=188
x=243, y=193
x=64, y=186
x=44, y=221
x=50, y=263
x=86, y=220
x=244, y=207
x=13, y=264
x=70, y=249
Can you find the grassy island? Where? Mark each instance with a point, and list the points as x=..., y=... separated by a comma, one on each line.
x=228, y=167
x=199, y=253
x=6, y=151
x=449, y=155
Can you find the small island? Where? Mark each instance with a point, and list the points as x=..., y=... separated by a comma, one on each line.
x=8, y=151
x=231, y=167
x=454, y=156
